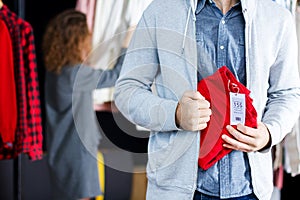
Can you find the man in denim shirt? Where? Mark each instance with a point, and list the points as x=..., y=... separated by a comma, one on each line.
x=221, y=41
x=175, y=39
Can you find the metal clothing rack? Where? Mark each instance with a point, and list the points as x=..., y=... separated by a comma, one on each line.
x=19, y=5
x=17, y=178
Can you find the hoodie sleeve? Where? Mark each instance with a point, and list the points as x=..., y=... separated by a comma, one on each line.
x=133, y=91
x=283, y=108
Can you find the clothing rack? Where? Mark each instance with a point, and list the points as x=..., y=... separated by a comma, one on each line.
x=19, y=5
x=17, y=178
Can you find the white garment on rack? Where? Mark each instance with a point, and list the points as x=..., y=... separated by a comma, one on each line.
x=112, y=20
x=292, y=140
x=292, y=151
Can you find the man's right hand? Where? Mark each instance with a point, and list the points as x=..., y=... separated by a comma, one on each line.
x=192, y=112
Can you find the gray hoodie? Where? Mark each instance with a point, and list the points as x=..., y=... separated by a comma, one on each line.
x=161, y=64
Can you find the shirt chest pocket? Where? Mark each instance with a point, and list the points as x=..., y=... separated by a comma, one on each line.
x=206, y=54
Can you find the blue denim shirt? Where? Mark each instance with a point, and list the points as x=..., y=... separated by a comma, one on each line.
x=221, y=41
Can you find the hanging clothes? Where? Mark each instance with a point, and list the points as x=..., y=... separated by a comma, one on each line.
x=87, y=7
x=28, y=138
x=112, y=20
x=8, y=102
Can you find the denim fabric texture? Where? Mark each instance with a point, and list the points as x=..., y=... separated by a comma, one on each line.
x=221, y=41
x=200, y=196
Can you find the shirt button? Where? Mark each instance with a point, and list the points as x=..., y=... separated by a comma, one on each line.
x=222, y=47
x=223, y=21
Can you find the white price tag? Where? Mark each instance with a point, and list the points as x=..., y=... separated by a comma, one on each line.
x=237, y=108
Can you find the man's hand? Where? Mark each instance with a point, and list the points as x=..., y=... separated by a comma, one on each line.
x=192, y=111
x=247, y=139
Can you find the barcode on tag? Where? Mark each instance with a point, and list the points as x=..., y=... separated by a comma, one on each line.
x=238, y=119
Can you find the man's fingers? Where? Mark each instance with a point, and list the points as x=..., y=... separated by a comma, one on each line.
x=193, y=112
x=202, y=126
x=198, y=96
x=193, y=95
x=203, y=120
x=203, y=104
x=204, y=112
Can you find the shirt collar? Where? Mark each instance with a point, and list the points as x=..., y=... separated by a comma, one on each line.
x=201, y=4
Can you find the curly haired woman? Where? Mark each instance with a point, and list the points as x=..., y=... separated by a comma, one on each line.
x=72, y=131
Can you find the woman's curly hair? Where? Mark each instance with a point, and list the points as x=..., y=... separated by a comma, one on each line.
x=65, y=40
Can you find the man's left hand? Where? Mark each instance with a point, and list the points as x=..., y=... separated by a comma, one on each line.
x=247, y=139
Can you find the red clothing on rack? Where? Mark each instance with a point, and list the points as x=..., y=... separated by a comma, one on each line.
x=32, y=143
x=29, y=127
x=8, y=102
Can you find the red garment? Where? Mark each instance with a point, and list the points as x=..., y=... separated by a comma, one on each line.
x=215, y=89
x=8, y=102
x=29, y=127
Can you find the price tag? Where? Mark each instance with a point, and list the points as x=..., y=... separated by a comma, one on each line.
x=237, y=108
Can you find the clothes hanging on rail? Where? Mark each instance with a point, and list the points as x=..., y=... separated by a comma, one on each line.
x=87, y=7
x=112, y=20
x=28, y=137
x=8, y=102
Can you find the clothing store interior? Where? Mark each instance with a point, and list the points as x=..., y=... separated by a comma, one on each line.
x=24, y=171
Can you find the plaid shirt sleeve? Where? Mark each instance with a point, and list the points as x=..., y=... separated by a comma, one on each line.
x=32, y=142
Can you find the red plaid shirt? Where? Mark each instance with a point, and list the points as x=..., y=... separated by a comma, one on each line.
x=29, y=128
